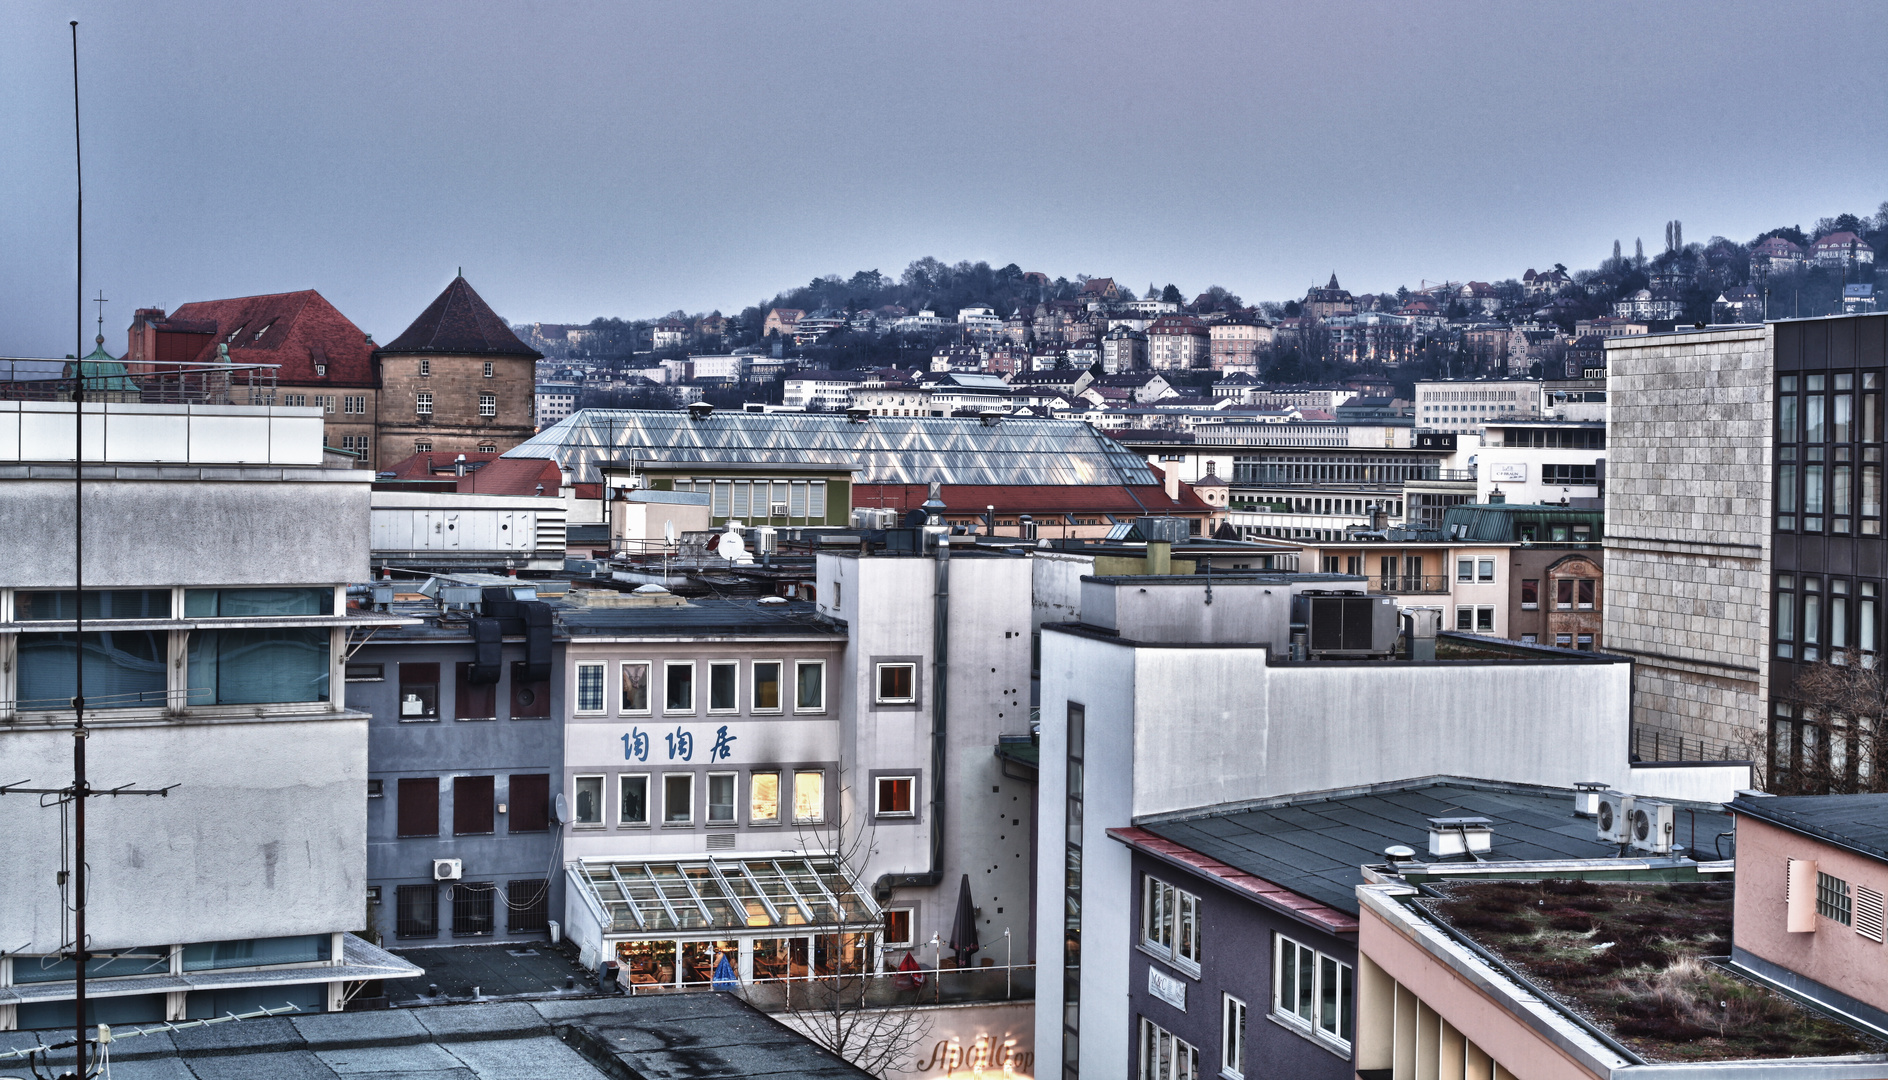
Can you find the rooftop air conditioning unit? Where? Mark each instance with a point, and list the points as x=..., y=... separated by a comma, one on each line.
x=1651, y=826
x=460, y=595
x=1611, y=815
x=1347, y=626
x=447, y=869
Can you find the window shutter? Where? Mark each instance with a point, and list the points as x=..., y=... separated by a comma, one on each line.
x=1868, y=913
x=530, y=803
x=1801, y=896
x=473, y=701
x=418, y=806
x=471, y=805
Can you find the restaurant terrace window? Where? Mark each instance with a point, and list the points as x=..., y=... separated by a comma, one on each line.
x=673, y=922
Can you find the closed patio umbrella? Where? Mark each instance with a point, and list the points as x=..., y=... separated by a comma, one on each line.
x=964, y=926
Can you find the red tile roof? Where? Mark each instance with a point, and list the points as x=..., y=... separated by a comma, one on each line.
x=1273, y=896
x=1838, y=240
x=296, y=330
x=515, y=476
x=1135, y=500
x=486, y=474
x=459, y=323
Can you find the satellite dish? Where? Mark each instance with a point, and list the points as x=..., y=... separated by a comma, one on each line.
x=668, y=531
x=560, y=810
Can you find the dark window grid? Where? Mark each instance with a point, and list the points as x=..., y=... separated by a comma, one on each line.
x=527, y=906
x=416, y=913
x=472, y=907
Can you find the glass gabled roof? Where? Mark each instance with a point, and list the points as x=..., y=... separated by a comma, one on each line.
x=725, y=893
x=887, y=449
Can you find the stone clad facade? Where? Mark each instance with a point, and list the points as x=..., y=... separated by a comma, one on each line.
x=1688, y=510
x=458, y=381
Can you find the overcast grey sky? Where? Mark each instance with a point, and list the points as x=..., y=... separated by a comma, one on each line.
x=628, y=159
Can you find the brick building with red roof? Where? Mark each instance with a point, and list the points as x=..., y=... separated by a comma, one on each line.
x=320, y=357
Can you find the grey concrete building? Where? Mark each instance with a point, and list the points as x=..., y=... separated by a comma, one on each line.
x=465, y=755
x=216, y=556
x=1160, y=699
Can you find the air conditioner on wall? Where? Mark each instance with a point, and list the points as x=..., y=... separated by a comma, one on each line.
x=1612, y=815
x=1652, y=826
x=447, y=869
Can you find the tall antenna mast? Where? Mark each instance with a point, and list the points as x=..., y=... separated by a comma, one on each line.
x=79, y=734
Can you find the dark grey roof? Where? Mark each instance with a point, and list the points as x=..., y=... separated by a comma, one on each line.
x=1314, y=847
x=710, y=616
x=888, y=449
x=681, y=1035
x=459, y=321
x=1856, y=822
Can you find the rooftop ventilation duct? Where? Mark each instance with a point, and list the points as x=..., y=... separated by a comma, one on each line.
x=1460, y=836
x=700, y=410
x=858, y=414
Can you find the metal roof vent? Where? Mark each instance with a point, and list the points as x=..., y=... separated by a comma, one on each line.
x=990, y=417
x=1460, y=836
x=700, y=410
x=858, y=414
x=1396, y=853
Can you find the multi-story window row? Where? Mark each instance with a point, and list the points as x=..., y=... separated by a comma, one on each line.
x=161, y=666
x=1829, y=555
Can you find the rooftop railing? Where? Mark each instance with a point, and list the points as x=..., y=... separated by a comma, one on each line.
x=23, y=379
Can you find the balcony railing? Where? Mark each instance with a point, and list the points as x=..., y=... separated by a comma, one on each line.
x=145, y=383
x=1413, y=583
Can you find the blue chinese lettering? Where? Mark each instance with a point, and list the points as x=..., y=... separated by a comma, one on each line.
x=681, y=744
x=636, y=745
x=724, y=745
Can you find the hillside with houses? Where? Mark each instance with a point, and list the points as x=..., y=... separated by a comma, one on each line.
x=1016, y=326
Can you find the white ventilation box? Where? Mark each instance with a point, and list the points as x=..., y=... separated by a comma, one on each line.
x=1586, y=798
x=447, y=869
x=1653, y=825
x=1611, y=816
x=1460, y=836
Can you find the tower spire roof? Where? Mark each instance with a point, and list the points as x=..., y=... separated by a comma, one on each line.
x=459, y=322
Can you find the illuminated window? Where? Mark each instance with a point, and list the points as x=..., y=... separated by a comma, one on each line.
x=809, y=797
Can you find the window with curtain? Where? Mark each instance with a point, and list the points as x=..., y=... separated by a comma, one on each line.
x=239, y=603
x=254, y=667
x=102, y=604
x=124, y=669
x=258, y=952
